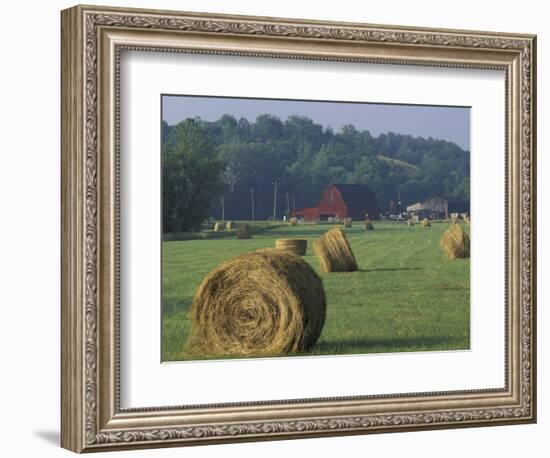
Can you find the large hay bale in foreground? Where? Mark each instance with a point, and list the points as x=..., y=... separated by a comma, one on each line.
x=455, y=242
x=334, y=252
x=426, y=223
x=244, y=232
x=368, y=225
x=231, y=225
x=348, y=222
x=219, y=227
x=296, y=246
x=264, y=303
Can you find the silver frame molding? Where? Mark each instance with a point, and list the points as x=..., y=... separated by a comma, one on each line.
x=92, y=40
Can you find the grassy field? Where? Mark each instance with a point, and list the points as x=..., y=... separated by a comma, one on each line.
x=406, y=296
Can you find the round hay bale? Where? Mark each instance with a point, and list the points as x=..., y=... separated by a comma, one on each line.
x=334, y=252
x=264, y=303
x=293, y=221
x=348, y=222
x=296, y=246
x=368, y=225
x=218, y=227
x=455, y=242
x=411, y=222
x=231, y=225
x=426, y=223
x=244, y=232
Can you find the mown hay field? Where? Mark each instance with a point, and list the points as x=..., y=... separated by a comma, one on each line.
x=406, y=295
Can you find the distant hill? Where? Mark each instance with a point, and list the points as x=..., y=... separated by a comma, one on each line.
x=268, y=167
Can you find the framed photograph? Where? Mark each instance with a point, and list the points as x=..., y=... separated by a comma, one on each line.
x=278, y=228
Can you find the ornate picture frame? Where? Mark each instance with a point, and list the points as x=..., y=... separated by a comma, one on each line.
x=92, y=41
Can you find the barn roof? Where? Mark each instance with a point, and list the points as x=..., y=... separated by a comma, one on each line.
x=356, y=195
x=450, y=200
x=416, y=207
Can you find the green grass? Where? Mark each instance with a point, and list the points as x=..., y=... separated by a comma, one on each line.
x=406, y=296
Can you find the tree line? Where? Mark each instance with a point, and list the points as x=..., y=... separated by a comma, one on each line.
x=234, y=169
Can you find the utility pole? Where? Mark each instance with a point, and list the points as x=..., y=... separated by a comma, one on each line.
x=252, y=202
x=275, y=185
x=223, y=208
x=293, y=202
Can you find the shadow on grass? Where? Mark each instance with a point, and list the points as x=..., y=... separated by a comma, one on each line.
x=183, y=304
x=390, y=269
x=444, y=288
x=290, y=233
x=454, y=288
x=388, y=345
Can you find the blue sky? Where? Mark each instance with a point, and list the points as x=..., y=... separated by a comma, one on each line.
x=442, y=122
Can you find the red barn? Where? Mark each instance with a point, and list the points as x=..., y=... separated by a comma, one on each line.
x=343, y=201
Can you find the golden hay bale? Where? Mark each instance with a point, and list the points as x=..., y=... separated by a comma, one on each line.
x=296, y=246
x=368, y=225
x=218, y=227
x=411, y=222
x=244, y=232
x=264, y=303
x=293, y=221
x=231, y=225
x=348, y=222
x=455, y=242
x=334, y=252
x=426, y=223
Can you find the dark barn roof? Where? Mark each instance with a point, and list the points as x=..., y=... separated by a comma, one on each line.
x=358, y=198
x=356, y=195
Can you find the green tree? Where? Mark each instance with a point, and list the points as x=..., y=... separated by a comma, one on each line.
x=191, y=177
x=298, y=158
x=268, y=127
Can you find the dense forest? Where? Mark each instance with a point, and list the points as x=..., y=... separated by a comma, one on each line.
x=241, y=170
